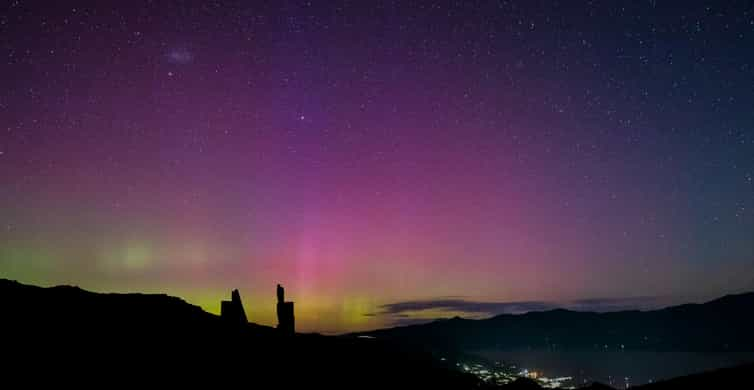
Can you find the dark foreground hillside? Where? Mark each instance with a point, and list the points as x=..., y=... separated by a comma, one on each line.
x=732, y=378
x=64, y=336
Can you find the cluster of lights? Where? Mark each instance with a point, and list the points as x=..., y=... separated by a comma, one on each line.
x=502, y=375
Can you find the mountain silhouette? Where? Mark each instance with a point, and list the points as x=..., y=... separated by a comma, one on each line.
x=721, y=325
x=725, y=378
x=75, y=336
x=71, y=337
x=731, y=378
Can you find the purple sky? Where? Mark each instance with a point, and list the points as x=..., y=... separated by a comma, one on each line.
x=372, y=154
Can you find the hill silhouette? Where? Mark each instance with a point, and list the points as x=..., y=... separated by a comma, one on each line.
x=69, y=336
x=725, y=378
x=74, y=335
x=721, y=325
x=731, y=378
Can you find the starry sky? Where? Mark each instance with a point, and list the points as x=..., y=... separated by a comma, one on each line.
x=386, y=161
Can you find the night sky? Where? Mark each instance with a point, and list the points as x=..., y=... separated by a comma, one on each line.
x=438, y=157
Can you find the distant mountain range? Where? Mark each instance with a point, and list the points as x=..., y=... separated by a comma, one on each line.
x=722, y=325
x=68, y=336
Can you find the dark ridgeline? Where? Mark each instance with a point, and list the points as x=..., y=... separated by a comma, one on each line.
x=721, y=325
x=232, y=311
x=75, y=337
x=730, y=378
x=286, y=321
x=72, y=337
